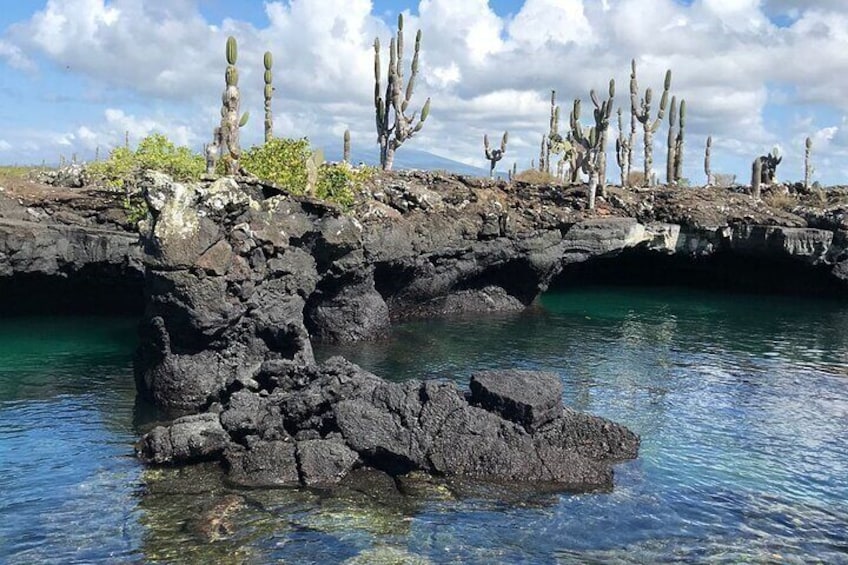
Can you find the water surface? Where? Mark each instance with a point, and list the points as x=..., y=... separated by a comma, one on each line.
x=741, y=402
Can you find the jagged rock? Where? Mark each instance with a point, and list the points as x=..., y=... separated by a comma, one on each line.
x=591, y=436
x=349, y=312
x=187, y=440
x=263, y=463
x=69, y=176
x=324, y=461
x=479, y=444
x=529, y=398
x=248, y=413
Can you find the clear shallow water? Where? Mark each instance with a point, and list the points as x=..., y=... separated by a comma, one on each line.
x=742, y=404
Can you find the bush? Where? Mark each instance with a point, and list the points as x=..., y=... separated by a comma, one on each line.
x=339, y=183
x=281, y=161
x=158, y=153
x=115, y=170
x=155, y=152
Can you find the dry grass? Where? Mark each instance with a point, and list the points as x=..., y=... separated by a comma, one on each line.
x=15, y=171
x=724, y=180
x=782, y=201
x=636, y=178
x=533, y=176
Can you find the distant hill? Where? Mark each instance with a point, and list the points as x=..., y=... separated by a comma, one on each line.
x=408, y=158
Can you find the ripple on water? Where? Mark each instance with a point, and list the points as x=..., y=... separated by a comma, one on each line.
x=741, y=402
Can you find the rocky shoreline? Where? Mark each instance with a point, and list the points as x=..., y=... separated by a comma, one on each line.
x=240, y=278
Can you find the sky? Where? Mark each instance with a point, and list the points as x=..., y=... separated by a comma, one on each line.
x=76, y=75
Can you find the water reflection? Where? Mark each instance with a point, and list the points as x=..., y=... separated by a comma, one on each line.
x=742, y=403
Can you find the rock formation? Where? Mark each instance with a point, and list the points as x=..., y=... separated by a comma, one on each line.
x=241, y=277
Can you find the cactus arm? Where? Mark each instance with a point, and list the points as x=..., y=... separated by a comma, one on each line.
x=672, y=124
x=346, y=146
x=707, y=160
x=268, y=62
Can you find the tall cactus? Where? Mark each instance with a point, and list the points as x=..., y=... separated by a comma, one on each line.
x=708, y=150
x=590, y=141
x=346, y=147
x=553, y=131
x=641, y=110
x=268, y=60
x=623, y=151
x=678, y=144
x=494, y=155
x=672, y=142
x=543, y=154
x=808, y=164
x=393, y=125
x=756, y=176
x=231, y=102
x=213, y=151
x=602, y=112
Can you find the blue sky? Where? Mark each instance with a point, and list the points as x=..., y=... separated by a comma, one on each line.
x=77, y=74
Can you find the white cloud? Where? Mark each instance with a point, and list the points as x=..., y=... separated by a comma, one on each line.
x=5, y=145
x=15, y=57
x=485, y=73
x=555, y=21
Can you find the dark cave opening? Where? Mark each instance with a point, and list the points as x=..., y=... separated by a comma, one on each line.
x=723, y=271
x=91, y=290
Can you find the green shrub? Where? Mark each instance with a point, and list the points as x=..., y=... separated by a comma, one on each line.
x=155, y=152
x=339, y=183
x=281, y=161
x=116, y=169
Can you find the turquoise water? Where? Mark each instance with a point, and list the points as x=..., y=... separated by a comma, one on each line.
x=741, y=401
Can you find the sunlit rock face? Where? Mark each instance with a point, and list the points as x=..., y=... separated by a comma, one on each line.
x=241, y=277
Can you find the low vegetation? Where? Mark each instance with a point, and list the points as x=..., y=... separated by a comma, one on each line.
x=287, y=162
x=155, y=152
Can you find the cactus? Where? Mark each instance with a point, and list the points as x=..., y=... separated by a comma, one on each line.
x=768, y=169
x=268, y=60
x=756, y=176
x=514, y=171
x=678, y=144
x=231, y=102
x=672, y=142
x=553, y=131
x=623, y=151
x=494, y=155
x=589, y=143
x=543, y=153
x=707, y=165
x=213, y=151
x=602, y=115
x=313, y=166
x=392, y=132
x=346, y=148
x=808, y=165
x=641, y=111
